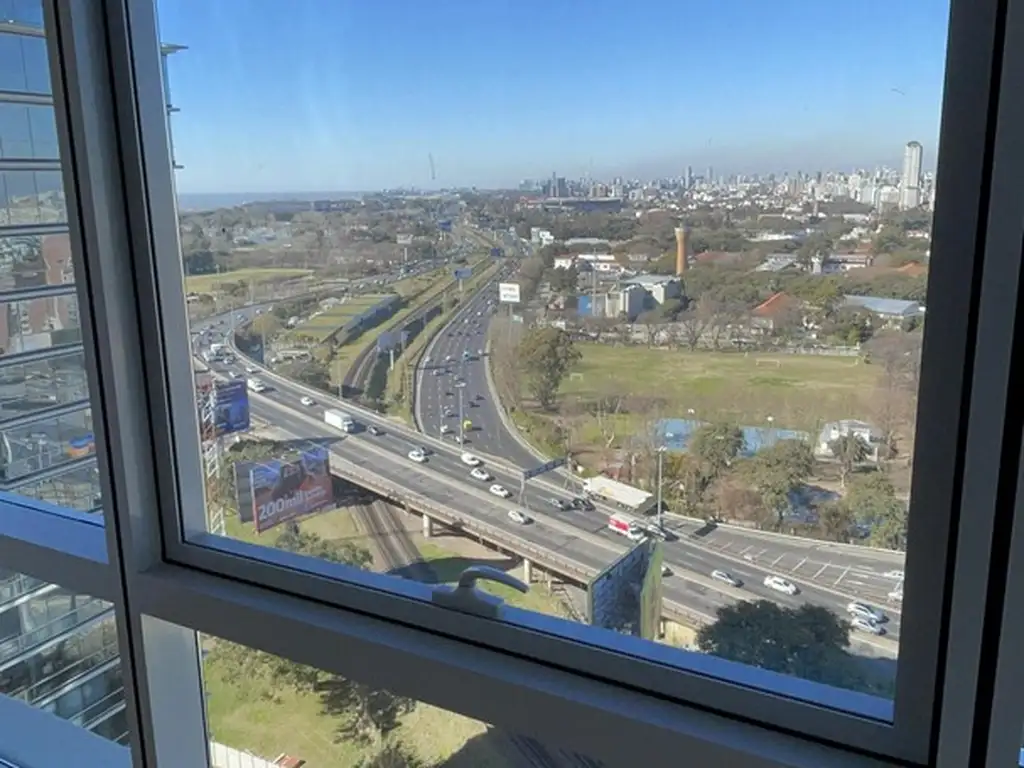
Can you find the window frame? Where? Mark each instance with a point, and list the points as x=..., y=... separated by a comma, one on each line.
x=166, y=585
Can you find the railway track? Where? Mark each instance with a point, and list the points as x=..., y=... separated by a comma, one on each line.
x=385, y=526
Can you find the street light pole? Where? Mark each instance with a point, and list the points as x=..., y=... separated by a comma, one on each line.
x=462, y=424
x=661, y=454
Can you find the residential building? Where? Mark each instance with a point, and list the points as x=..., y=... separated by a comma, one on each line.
x=870, y=435
x=890, y=310
x=658, y=287
x=58, y=649
x=777, y=311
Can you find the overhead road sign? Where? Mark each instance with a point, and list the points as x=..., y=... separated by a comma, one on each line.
x=497, y=253
x=508, y=293
x=444, y=226
x=463, y=273
x=547, y=466
x=404, y=239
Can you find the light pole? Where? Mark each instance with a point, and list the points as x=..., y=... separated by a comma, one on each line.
x=462, y=431
x=661, y=455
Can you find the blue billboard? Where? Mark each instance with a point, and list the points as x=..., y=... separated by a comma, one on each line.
x=231, y=407
x=445, y=226
x=497, y=253
x=464, y=273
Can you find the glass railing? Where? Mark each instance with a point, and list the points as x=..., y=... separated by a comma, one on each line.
x=24, y=641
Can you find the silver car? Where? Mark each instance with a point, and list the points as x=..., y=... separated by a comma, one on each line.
x=865, y=611
x=865, y=625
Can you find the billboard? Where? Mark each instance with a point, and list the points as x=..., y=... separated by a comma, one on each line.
x=404, y=239
x=496, y=253
x=626, y=596
x=463, y=274
x=508, y=293
x=230, y=405
x=444, y=226
x=285, y=489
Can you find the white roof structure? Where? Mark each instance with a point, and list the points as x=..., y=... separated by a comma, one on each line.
x=620, y=493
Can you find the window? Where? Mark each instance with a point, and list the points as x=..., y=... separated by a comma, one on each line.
x=707, y=424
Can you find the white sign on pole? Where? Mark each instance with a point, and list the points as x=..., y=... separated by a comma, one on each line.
x=508, y=293
x=405, y=239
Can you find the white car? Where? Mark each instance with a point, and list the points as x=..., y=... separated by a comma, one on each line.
x=866, y=625
x=470, y=460
x=308, y=401
x=418, y=456
x=250, y=369
x=898, y=575
x=518, y=517
x=500, y=490
x=780, y=584
x=479, y=473
x=865, y=611
x=727, y=577
x=445, y=429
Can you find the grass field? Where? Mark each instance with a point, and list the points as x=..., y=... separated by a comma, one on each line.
x=328, y=322
x=797, y=391
x=207, y=283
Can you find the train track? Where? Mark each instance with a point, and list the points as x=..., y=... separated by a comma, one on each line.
x=385, y=526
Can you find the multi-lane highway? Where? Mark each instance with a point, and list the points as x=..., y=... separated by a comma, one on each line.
x=827, y=574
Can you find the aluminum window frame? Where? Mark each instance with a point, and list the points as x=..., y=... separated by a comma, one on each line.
x=166, y=585
x=949, y=347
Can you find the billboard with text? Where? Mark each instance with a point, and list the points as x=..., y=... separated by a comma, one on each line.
x=508, y=293
x=626, y=596
x=230, y=406
x=286, y=489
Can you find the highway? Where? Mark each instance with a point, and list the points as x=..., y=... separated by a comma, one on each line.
x=827, y=575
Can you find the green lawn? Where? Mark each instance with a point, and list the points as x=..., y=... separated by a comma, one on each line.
x=330, y=321
x=797, y=391
x=207, y=283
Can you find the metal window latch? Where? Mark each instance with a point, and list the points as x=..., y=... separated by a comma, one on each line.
x=465, y=597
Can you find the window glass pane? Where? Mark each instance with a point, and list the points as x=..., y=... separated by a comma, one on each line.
x=714, y=329
x=47, y=447
x=27, y=12
x=262, y=705
x=23, y=64
x=27, y=132
x=33, y=261
x=31, y=197
x=58, y=652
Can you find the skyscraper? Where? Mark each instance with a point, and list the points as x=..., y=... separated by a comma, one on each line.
x=910, y=182
x=58, y=649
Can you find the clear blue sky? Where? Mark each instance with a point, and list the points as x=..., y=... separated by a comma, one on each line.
x=311, y=95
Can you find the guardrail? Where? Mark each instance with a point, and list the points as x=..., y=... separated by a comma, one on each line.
x=496, y=537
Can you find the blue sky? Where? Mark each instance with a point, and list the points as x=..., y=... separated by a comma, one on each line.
x=311, y=95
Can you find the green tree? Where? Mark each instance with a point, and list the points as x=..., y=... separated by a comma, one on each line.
x=546, y=355
x=835, y=521
x=849, y=450
x=716, y=446
x=872, y=500
x=809, y=642
x=777, y=471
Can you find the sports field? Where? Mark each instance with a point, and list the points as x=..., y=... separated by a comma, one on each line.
x=207, y=283
x=796, y=391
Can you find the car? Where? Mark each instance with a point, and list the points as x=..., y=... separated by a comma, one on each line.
x=896, y=595
x=518, y=517
x=582, y=502
x=636, y=534
x=657, y=531
x=375, y=431
x=423, y=449
x=726, y=577
x=896, y=574
x=233, y=374
x=559, y=503
x=865, y=611
x=666, y=571
x=307, y=401
x=500, y=490
x=449, y=394
x=480, y=352
x=780, y=584
x=438, y=371
x=250, y=369
x=447, y=358
x=866, y=625
x=418, y=456
x=445, y=429
x=479, y=473
x=470, y=460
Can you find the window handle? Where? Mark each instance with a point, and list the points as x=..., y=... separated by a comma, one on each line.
x=465, y=597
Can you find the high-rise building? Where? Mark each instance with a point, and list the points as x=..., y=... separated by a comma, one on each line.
x=58, y=649
x=910, y=180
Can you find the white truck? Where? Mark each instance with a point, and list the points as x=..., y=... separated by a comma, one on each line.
x=255, y=385
x=340, y=419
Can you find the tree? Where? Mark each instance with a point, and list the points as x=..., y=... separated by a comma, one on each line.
x=809, y=642
x=777, y=471
x=294, y=539
x=849, y=450
x=872, y=500
x=835, y=521
x=717, y=446
x=367, y=714
x=545, y=356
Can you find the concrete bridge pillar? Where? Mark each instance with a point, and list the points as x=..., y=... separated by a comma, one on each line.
x=527, y=571
x=428, y=527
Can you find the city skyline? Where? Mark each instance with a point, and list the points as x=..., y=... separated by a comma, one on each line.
x=497, y=94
